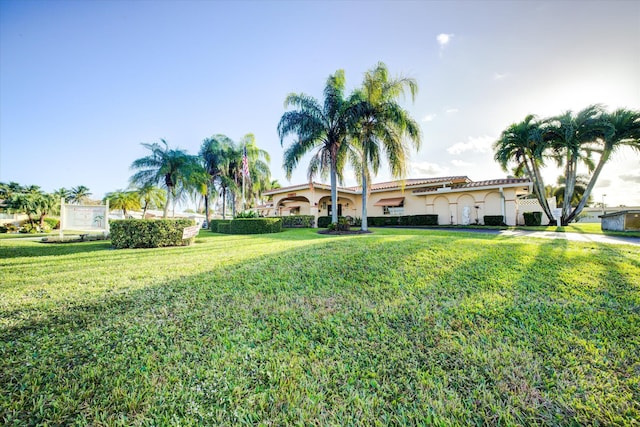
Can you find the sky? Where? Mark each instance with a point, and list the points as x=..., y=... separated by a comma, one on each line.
x=83, y=84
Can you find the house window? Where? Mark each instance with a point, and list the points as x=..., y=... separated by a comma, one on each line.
x=391, y=205
x=393, y=210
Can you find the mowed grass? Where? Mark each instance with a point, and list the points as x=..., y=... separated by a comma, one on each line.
x=398, y=327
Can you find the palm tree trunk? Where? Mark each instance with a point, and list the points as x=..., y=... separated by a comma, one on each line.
x=538, y=187
x=224, y=202
x=365, y=224
x=334, y=193
x=166, y=205
x=570, y=181
x=592, y=182
x=206, y=207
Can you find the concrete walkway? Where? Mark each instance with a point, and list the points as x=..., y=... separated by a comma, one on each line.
x=574, y=237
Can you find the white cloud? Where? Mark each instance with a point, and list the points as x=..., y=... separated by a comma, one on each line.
x=461, y=163
x=451, y=110
x=428, y=117
x=480, y=144
x=500, y=76
x=631, y=178
x=426, y=169
x=443, y=39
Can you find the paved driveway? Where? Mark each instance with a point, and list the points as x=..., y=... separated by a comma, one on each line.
x=574, y=237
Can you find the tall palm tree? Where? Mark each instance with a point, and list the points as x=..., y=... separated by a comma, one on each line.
x=79, y=194
x=125, y=200
x=626, y=132
x=579, y=189
x=324, y=128
x=523, y=144
x=213, y=152
x=171, y=168
x=383, y=127
x=258, y=162
x=150, y=196
x=571, y=136
x=62, y=193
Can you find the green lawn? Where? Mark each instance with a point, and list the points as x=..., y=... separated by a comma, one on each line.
x=398, y=327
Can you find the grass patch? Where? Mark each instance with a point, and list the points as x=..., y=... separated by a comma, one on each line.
x=398, y=327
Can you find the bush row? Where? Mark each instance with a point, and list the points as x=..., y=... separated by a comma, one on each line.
x=214, y=224
x=247, y=226
x=382, y=221
x=144, y=233
x=494, y=220
x=298, y=221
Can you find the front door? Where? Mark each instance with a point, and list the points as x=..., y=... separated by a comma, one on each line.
x=339, y=210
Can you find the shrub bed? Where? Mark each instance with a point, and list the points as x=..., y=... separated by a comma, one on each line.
x=493, y=220
x=146, y=233
x=298, y=221
x=532, y=218
x=254, y=226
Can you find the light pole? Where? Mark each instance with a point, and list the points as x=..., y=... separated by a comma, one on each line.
x=603, y=211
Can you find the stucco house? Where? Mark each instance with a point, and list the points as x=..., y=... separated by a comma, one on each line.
x=457, y=200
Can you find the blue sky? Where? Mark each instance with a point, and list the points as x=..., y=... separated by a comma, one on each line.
x=82, y=84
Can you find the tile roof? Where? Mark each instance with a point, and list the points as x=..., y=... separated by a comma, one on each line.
x=476, y=184
x=414, y=182
x=457, y=182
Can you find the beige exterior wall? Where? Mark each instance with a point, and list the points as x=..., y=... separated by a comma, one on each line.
x=455, y=206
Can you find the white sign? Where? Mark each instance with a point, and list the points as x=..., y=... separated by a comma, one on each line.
x=84, y=217
x=190, y=232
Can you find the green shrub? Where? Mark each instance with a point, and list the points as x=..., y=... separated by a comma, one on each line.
x=28, y=228
x=355, y=221
x=342, y=225
x=324, y=221
x=53, y=223
x=297, y=221
x=224, y=227
x=149, y=233
x=255, y=225
x=493, y=220
x=215, y=223
x=418, y=220
x=532, y=218
x=8, y=228
x=381, y=221
x=247, y=214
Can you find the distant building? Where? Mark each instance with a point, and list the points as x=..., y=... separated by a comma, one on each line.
x=456, y=200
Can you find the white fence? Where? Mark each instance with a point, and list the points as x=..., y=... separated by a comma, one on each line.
x=532, y=205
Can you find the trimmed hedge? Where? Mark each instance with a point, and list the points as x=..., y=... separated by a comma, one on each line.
x=214, y=223
x=149, y=233
x=224, y=227
x=324, y=221
x=411, y=220
x=532, y=218
x=493, y=220
x=252, y=226
x=297, y=221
